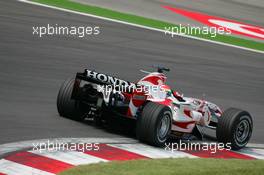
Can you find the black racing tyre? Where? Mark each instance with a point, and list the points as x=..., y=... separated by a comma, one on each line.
x=154, y=124
x=234, y=127
x=66, y=106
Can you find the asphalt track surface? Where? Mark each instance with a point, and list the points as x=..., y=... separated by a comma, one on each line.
x=32, y=69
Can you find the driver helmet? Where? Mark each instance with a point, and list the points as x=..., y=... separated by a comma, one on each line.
x=166, y=89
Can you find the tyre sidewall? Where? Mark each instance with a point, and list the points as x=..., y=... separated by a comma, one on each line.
x=165, y=111
x=240, y=117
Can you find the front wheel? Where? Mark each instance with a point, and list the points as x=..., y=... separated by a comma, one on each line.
x=234, y=127
x=154, y=124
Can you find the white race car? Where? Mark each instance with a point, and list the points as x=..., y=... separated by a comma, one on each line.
x=158, y=110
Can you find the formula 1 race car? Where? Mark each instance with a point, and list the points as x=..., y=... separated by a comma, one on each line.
x=157, y=110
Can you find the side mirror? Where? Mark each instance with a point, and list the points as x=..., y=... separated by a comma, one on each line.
x=178, y=96
x=162, y=69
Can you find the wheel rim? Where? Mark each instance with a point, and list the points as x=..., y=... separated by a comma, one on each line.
x=164, y=127
x=242, y=131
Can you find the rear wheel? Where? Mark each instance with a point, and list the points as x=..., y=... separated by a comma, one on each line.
x=154, y=124
x=66, y=106
x=234, y=127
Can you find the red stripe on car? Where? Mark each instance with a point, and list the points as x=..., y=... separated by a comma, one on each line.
x=187, y=113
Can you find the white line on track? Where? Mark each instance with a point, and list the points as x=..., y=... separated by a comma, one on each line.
x=152, y=152
x=140, y=26
x=252, y=152
x=71, y=157
x=13, y=168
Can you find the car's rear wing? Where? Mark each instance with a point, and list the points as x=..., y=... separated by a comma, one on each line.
x=104, y=80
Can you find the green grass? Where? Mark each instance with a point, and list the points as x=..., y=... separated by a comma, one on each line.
x=146, y=22
x=172, y=167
